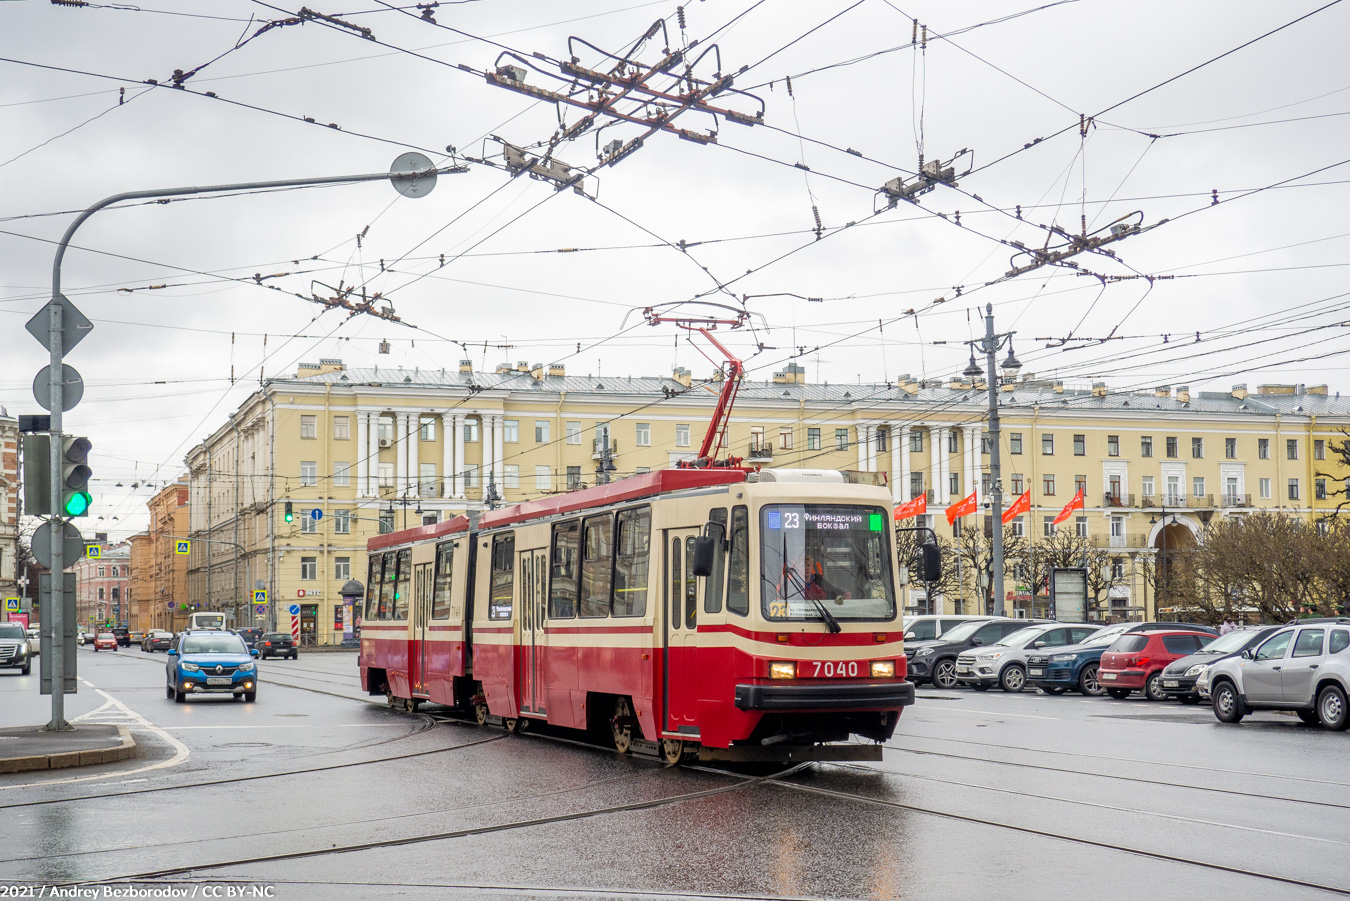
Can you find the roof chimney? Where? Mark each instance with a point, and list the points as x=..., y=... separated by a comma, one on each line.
x=683, y=376
x=522, y=366
x=466, y=365
x=556, y=370
x=1099, y=389
x=502, y=367
x=1184, y=394
x=537, y=371
x=1320, y=390
x=1057, y=386
x=1240, y=392
x=907, y=384
x=1162, y=391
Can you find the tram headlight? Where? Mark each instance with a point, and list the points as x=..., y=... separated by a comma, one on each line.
x=883, y=669
x=782, y=669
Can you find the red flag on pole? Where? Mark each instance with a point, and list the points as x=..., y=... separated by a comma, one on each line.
x=916, y=507
x=1075, y=504
x=1019, y=506
x=963, y=507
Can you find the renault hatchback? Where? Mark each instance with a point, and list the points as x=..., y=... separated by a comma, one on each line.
x=207, y=661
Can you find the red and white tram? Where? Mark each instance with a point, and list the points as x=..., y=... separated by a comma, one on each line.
x=711, y=613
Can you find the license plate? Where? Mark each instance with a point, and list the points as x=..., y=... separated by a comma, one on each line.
x=1036, y=672
x=218, y=680
x=826, y=669
x=1109, y=677
x=1170, y=683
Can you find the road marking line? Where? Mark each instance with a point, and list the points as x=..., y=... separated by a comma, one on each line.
x=1022, y=716
x=294, y=726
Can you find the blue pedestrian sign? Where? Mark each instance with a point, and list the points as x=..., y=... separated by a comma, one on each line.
x=182, y=547
x=316, y=514
x=260, y=596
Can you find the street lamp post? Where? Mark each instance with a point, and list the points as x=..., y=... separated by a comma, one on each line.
x=990, y=346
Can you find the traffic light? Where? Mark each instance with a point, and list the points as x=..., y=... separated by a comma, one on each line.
x=75, y=473
x=290, y=513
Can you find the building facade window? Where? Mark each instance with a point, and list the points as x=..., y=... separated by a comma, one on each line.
x=1230, y=448
x=471, y=430
x=1319, y=449
x=1019, y=529
x=1293, y=489
x=308, y=524
x=309, y=472
x=1080, y=526
x=1320, y=489
x=386, y=521
x=953, y=442
x=1048, y=526
x=541, y=431
x=1014, y=442
x=1079, y=445
x=309, y=569
x=1146, y=445
x=1113, y=445
x=1048, y=485
x=954, y=483
x=101, y=572
x=342, y=568
x=1080, y=484
x=1265, y=489
x=426, y=428
x=511, y=475
x=1174, y=491
x=1048, y=445
x=426, y=479
x=384, y=430
x=1173, y=448
x=1197, y=448
x=342, y=474
x=915, y=442
x=574, y=432
x=510, y=431
x=309, y=426
x=573, y=478
x=386, y=475
x=785, y=439
x=1263, y=448
x=915, y=484
x=682, y=434
x=342, y=428
x=813, y=439
x=1291, y=448
x=543, y=478
x=471, y=475
x=841, y=439
x=643, y=434
x=879, y=438
x=1146, y=486
x=1017, y=484
x=342, y=522
x=100, y=593
x=1198, y=486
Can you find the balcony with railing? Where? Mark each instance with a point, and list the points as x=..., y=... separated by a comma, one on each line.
x=598, y=445
x=1233, y=499
x=1117, y=499
x=1131, y=540
x=760, y=452
x=1163, y=500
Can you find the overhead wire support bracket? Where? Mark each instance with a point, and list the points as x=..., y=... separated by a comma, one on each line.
x=930, y=175
x=1075, y=244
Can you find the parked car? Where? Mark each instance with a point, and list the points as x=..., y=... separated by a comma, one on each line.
x=14, y=651
x=34, y=636
x=1303, y=667
x=81, y=636
x=105, y=640
x=1180, y=675
x=1075, y=667
x=1135, y=662
x=250, y=636
x=1004, y=663
x=926, y=628
x=123, y=636
x=935, y=661
x=277, y=644
x=157, y=640
x=136, y=636
x=210, y=660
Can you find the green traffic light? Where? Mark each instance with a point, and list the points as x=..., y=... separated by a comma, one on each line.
x=78, y=503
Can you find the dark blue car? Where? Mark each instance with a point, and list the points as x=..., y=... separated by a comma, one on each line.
x=211, y=661
x=1075, y=667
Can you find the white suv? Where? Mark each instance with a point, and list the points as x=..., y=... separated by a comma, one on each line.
x=1304, y=667
x=1005, y=663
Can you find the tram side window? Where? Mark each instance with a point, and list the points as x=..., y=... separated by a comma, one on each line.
x=676, y=583
x=597, y=561
x=562, y=597
x=399, y=608
x=445, y=570
x=387, y=585
x=690, y=586
x=503, y=576
x=712, y=590
x=738, y=575
x=374, y=581
x=633, y=551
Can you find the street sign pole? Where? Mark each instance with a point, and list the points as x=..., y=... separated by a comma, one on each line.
x=56, y=388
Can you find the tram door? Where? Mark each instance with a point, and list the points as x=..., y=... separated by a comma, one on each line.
x=422, y=591
x=533, y=603
x=681, y=631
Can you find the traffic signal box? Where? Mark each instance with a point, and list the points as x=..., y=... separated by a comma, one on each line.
x=290, y=513
x=75, y=473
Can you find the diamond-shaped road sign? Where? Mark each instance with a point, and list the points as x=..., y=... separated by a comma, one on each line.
x=74, y=325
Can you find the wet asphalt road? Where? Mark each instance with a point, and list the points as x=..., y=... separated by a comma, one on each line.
x=319, y=792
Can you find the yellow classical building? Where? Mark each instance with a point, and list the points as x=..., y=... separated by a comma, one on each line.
x=351, y=452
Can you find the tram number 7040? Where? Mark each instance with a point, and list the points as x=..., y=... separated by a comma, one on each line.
x=829, y=669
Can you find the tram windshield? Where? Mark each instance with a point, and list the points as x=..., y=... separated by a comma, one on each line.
x=837, y=555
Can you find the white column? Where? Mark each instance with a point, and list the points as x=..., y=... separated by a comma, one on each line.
x=969, y=437
x=864, y=436
x=400, y=452
x=459, y=454
x=373, y=456
x=362, y=451
x=899, y=463
x=499, y=444
x=448, y=439
x=938, y=469
x=415, y=454
x=485, y=463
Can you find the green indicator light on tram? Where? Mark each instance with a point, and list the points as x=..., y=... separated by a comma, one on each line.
x=876, y=522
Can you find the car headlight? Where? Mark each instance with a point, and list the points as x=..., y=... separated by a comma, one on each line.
x=1197, y=669
x=883, y=669
x=1062, y=658
x=923, y=652
x=779, y=669
x=190, y=667
x=246, y=667
x=992, y=656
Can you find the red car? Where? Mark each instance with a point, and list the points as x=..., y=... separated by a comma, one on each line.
x=105, y=640
x=1137, y=659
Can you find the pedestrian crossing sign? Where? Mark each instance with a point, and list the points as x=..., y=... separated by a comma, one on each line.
x=93, y=552
x=260, y=597
x=12, y=605
x=182, y=547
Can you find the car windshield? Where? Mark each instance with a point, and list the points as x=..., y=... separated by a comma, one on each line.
x=1021, y=637
x=833, y=555
x=1227, y=644
x=11, y=630
x=214, y=644
x=963, y=631
x=1105, y=636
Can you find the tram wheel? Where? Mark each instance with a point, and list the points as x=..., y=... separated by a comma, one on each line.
x=514, y=724
x=675, y=751
x=621, y=726
x=480, y=713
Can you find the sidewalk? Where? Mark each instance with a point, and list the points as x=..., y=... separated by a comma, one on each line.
x=24, y=748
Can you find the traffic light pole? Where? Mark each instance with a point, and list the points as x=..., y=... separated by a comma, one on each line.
x=405, y=175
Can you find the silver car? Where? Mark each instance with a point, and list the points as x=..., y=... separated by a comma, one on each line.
x=1005, y=663
x=1304, y=667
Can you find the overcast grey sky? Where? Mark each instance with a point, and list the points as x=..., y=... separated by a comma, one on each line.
x=171, y=287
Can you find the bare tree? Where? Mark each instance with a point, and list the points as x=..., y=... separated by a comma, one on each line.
x=907, y=546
